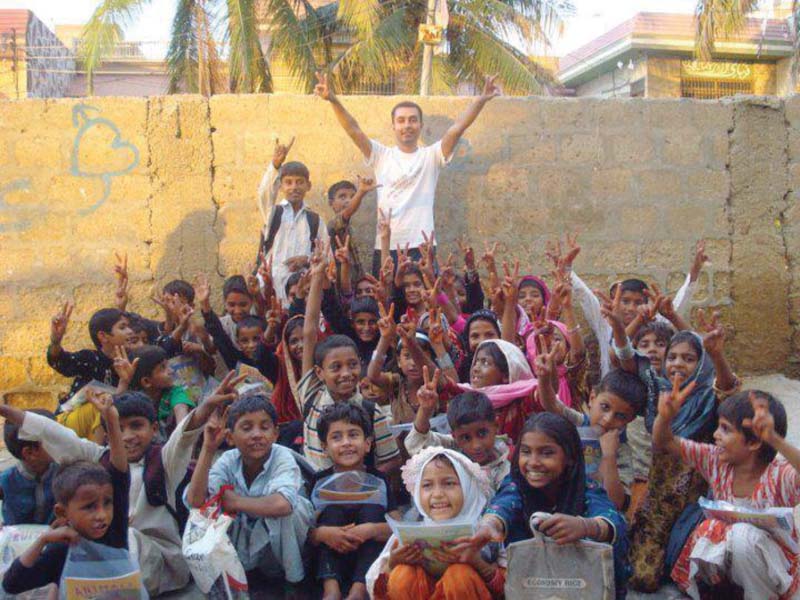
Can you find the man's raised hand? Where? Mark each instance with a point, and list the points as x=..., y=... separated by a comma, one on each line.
x=323, y=89
x=59, y=323
x=491, y=89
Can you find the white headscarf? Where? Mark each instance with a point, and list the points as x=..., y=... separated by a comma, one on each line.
x=475, y=485
x=521, y=381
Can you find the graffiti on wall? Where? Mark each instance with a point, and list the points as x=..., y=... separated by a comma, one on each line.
x=99, y=152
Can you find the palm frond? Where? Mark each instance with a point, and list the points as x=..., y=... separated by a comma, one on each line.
x=374, y=58
x=248, y=71
x=478, y=52
x=359, y=16
x=719, y=18
x=295, y=39
x=104, y=31
x=182, y=57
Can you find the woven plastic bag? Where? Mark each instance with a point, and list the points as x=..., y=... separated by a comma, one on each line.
x=539, y=568
x=208, y=551
x=95, y=571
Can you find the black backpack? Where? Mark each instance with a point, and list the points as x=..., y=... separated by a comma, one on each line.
x=265, y=243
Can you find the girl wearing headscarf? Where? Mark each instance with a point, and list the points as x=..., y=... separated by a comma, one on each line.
x=447, y=488
x=482, y=325
x=500, y=370
x=547, y=475
x=673, y=486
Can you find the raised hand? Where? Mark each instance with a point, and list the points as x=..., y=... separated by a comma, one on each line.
x=215, y=429
x=468, y=252
x=763, y=423
x=713, y=332
x=121, y=273
x=280, y=152
x=102, y=401
x=488, y=257
x=611, y=309
x=253, y=286
x=59, y=323
x=511, y=282
x=225, y=393
x=265, y=269
x=667, y=308
x=428, y=394
x=322, y=89
x=342, y=253
x=700, y=259
x=490, y=88
x=385, y=224
x=123, y=367
x=435, y=329
x=366, y=184
x=386, y=323
x=275, y=311
x=202, y=292
x=655, y=300
x=670, y=402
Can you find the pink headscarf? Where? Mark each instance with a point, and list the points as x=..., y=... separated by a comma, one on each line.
x=540, y=284
x=521, y=381
x=564, y=391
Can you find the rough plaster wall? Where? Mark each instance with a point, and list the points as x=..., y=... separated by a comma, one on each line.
x=172, y=180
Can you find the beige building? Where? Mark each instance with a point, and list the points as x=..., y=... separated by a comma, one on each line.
x=652, y=55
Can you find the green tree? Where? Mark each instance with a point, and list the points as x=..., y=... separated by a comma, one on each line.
x=358, y=41
x=719, y=19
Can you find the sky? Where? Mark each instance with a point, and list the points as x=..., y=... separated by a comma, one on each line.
x=592, y=17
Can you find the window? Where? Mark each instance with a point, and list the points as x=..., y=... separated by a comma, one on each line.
x=704, y=88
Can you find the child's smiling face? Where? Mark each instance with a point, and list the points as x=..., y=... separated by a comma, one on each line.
x=413, y=288
x=530, y=299
x=237, y=305
x=681, y=360
x=253, y=435
x=248, y=339
x=735, y=447
x=346, y=445
x=481, y=331
x=340, y=371
x=542, y=461
x=485, y=371
x=476, y=440
x=440, y=493
x=630, y=303
x=366, y=326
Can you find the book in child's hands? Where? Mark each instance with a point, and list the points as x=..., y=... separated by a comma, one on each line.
x=349, y=487
x=80, y=397
x=778, y=521
x=430, y=537
x=438, y=424
x=592, y=452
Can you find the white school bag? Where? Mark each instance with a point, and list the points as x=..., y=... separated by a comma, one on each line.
x=540, y=569
x=208, y=551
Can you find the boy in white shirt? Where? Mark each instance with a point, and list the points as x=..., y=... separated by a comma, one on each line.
x=290, y=227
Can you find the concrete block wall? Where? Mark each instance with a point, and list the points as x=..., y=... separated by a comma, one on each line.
x=172, y=182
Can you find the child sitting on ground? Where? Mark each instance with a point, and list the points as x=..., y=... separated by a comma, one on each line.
x=473, y=422
x=613, y=404
x=152, y=376
x=350, y=536
x=25, y=488
x=272, y=517
x=156, y=472
x=446, y=487
x=548, y=475
x=331, y=372
x=90, y=499
x=743, y=468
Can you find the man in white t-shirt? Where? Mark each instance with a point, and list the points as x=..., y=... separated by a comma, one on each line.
x=407, y=173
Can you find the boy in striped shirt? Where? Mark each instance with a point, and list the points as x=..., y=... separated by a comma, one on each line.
x=331, y=373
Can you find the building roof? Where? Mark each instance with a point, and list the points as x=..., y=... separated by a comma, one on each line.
x=14, y=20
x=674, y=33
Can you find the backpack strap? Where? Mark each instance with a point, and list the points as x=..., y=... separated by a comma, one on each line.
x=313, y=225
x=272, y=231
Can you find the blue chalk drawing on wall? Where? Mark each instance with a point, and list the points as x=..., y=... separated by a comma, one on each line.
x=18, y=185
x=87, y=124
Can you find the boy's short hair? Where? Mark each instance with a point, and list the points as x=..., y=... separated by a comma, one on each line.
x=71, y=476
x=662, y=331
x=626, y=386
x=149, y=358
x=251, y=321
x=182, y=288
x=634, y=285
x=339, y=185
x=365, y=305
x=235, y=284
x=468, y=408
x=294, y=169
x=332, y=343
x=135, y=404
x=343, y=411
x=250, y=404
x=407, y=104
x=103, y=320
x=293, y=280
x=737, y=408
x=11, y=435
x=139, y=324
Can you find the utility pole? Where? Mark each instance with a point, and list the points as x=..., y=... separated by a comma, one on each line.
x=15, y=61
x=427, y=54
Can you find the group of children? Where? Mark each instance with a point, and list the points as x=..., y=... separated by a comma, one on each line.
x=454, y=409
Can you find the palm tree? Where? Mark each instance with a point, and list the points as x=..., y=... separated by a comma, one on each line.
x=376, y=40
x=720, y=18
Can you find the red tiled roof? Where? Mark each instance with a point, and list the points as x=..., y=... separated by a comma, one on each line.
x=673, y=25
x=17, y=20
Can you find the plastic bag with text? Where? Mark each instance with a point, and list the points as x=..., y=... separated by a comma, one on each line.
x=95, y=571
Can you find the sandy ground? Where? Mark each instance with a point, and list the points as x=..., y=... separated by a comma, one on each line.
x=786, y=390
